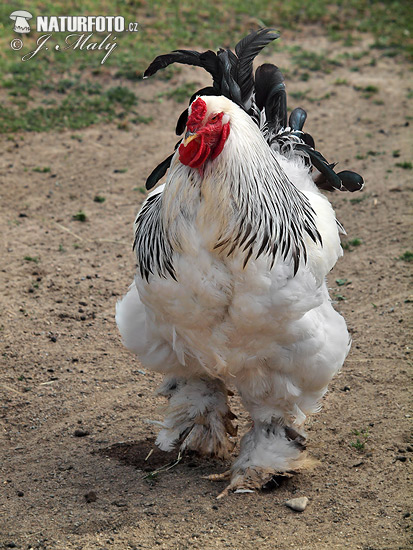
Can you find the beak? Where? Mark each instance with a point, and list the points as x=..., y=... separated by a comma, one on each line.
x=189, y=136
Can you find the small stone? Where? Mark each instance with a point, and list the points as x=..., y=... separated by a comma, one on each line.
x=81, y=433
x=120, y=503
x=11, y=545
x=20, y=494
x=297, y=504
x=401, y=458
x=91, y=496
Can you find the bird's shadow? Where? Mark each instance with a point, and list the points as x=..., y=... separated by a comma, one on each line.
x=145, y=456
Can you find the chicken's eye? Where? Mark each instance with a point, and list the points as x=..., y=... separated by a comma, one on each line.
x=214, y=118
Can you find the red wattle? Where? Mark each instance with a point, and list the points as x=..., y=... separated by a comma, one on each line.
x=195, y=153
x=221, y=142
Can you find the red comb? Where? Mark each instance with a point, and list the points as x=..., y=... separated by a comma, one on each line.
x=198, y=112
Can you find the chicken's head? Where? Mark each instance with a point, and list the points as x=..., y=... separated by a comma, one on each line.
x=207, y=130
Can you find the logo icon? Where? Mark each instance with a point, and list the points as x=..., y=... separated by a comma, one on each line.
x=21, y=18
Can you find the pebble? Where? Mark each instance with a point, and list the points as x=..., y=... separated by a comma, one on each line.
x=91, y=496
x=120, y=503
x=81, y=433
x=297, y=504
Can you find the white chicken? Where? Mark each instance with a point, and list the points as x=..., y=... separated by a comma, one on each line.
x=233, y=251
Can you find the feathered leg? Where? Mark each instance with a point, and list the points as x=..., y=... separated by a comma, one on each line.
x=197, y=417
x=267, y=450
x=275, y=443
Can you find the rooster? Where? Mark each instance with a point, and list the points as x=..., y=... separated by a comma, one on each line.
x=233, y=252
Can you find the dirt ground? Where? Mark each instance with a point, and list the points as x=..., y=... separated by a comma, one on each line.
x=74, y=403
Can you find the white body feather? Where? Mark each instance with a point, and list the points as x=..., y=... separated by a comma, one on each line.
x=275, y=336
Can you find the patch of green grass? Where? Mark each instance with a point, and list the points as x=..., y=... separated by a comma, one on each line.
x=99, y=198
x=361, y=156
x=80, y=216
x=367, y=91
x=313, y=61
x=122, y=96
x=361, y=440
x=139, y=119
x=349, y=245
x=340, y=82
x=361, y=198
x=76, y=110
x=407, y=256
x=320, y=98
x=299, y=95
x=342, y=282
x=43, y=170
x=34, y=259
x=405, y=165
x=61, y=249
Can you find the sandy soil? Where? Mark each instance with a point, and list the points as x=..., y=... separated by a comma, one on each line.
x=74, y=402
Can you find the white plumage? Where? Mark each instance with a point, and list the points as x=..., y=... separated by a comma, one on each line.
x=229, y=317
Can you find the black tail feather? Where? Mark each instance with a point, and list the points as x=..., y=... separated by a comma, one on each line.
x=351, y=180
x=182, y=120
x=232, y=74
x=322, y=166
x=297, y=119
x=158, y=172
x=247, y=50
x=208, y=60
x=308, y=139
x=270, y=94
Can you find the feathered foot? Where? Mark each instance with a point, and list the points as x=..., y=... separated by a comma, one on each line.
x=251, y=480
x=198, y=418
x=267, y=451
